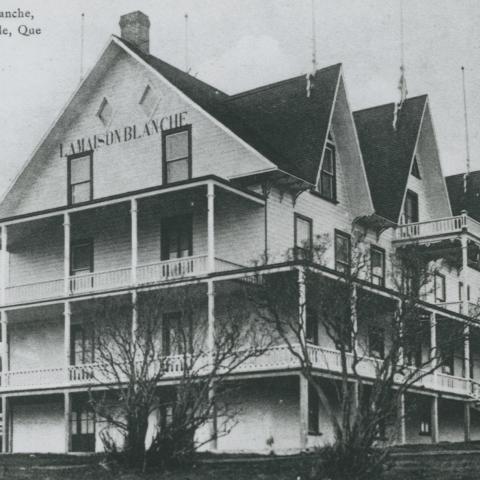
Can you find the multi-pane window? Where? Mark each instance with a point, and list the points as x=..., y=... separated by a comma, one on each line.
x=328, y=182
x=80, y=182
x=425, y=427
x=377, y=265
x=411, y=207
x=312, y=326
x=177, y=334
x=177, y=237
x=425, y=419
x=415, y=169
x=177, y=154
x=313, y=411
x=376, y=341
x=342, y=252
x=303, y=235
x=81, y=257
x=440, y=288
x=82, y=428
x=82, y=349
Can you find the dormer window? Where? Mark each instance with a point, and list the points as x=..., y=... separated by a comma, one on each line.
x=328, y=176
x=148, y=101
x=415, y=169
x=105, y=112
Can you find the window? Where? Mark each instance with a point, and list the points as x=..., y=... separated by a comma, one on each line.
x=148, y=101
x=425, y=420
x=177, y=332
x=105, y=112
x=425, y=427
x=82, y=349
x=303, y=235
x=82, y=427
x=439, y=287
x=313, y=411
x=80, y=183
x=166, y=416
x=376, y=342
x=415, y=169
x=411, y=207
x=81, y=257
x=312, y=327
x=328, y=182
x=460, y=291
x=342, y=251
x=177, y=154
x=377, y=265
x=448, y=361
x=176, y=237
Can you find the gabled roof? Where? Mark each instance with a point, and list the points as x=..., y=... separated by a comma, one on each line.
x=388, y=152
x=278, y=120
x=459, y=201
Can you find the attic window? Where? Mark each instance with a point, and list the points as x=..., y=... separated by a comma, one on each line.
x=327, y=185
x=415, y=169
x=105, y=112
x=148, y=101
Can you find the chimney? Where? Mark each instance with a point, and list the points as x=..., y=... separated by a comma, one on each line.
x=135, y=28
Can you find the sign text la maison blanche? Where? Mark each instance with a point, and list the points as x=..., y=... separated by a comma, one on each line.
x=123, y=134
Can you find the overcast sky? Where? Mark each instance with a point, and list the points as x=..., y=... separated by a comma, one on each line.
x=240, y=44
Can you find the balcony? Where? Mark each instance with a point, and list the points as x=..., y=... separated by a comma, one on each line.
x=151, y=273
x=437, y=229
x=274, y=359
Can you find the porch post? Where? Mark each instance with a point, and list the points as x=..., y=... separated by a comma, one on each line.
x=67, y=314
x=4, y=265
x=302, y=305
x=134, y=231
x=303, y=404
x=466, y=351
x=467, y=421
x=4, y=350
x=66, y=251
x=134, y=316
x=210, y=348
x=66, y=411
x=433, y=343
x=5, y=424
x=465, y=301
x=402, y=421
x=434, y=412
x=211, y=226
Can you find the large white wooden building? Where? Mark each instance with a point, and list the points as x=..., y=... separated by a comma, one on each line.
x=151, y=177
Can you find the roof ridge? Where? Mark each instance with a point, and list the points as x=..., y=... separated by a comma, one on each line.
x=390, y=103
x=268, y=86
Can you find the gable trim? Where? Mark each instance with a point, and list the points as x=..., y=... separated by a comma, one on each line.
x=191, y=102
x=402, y=206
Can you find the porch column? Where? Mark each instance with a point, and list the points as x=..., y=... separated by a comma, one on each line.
x=466, y=351
x=433, y=341
x=402, y=422
x=5, y=424
x=210, y=348
x=134, y=316
x=134, y=230
x=67, y=314
x=401, y=349
x=4, y=265
x=4, y=350
x=303, y=399
x=302, y=305
x=464, y=275
x=467, y=421
x=66, y=412
x=66, y=251
x=434, y=412
x=211, y=227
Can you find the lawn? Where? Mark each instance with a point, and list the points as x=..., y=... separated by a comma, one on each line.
x=408, y=466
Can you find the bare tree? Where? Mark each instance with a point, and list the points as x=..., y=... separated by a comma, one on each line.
x=379, y=343
x=165, y=335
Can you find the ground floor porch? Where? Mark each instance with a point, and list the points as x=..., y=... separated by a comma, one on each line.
x=275, y=415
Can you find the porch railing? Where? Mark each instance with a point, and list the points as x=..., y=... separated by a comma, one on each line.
x=113, y=279
x=274, y=358
x=430, y=228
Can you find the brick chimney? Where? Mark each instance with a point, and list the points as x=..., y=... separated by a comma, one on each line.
x=135, y=28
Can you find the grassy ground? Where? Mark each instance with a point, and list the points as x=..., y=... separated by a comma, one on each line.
x=408, y=466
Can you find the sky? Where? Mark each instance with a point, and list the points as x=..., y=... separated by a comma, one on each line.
x=240, y=44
